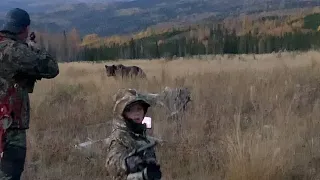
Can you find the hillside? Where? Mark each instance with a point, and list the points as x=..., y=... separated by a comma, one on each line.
x=107, y=19
x=264, y=32
x=257, y=33
x=271, y=23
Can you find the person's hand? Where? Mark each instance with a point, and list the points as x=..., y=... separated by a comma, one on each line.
x=32, y=36
x=150, y=160
x=133, y=164
x=35, y=47
x=152, y=172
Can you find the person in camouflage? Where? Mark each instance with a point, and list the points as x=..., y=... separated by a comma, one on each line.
x=20, y=67
x=129, y=134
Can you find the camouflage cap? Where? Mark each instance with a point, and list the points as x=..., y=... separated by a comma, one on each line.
x=15, y=20
x=125, y=97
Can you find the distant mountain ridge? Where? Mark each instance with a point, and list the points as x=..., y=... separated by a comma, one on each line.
x=110, y=17
x=36, y=6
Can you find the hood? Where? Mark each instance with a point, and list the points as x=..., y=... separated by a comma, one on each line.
x=123, y=98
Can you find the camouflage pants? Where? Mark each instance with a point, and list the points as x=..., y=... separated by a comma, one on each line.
x=14, y=154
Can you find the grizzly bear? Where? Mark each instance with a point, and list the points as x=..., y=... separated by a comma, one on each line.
x=124, y=71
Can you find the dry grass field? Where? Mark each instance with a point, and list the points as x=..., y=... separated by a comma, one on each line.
x=251, y=118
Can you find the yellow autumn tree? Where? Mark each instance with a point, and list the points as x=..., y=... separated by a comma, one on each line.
x=90, y=39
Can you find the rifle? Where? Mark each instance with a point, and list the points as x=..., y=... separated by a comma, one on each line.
x=26, y=80
x=87, y=144
x=146, y=120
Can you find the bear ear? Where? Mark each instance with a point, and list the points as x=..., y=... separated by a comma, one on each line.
x=106, y=66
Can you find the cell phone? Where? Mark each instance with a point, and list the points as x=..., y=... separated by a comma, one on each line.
x=148, y=122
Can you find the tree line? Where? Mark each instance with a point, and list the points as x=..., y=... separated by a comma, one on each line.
x=64, y=46
x=182, y=43
x=218, y=41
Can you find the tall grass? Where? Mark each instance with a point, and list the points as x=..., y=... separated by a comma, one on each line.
x=251, y=118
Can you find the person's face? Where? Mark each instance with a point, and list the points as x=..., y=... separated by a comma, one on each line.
x=24, y=34
x=135, y=112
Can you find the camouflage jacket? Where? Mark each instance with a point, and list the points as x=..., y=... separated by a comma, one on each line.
x=122, y=141
x=21, y=66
